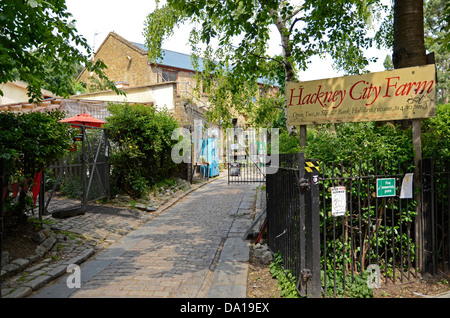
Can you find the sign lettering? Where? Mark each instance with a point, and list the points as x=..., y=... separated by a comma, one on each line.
x=405, y=93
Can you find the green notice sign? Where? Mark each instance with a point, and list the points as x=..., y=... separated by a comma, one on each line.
x=385, y=187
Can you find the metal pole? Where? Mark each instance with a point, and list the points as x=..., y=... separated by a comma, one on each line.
x=313, y=234
x=84, y=168
x=2, y=182
x=301, y=176
x=41, y=195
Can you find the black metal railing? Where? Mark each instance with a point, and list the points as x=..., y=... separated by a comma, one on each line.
x=376, y=229
x=378, y=220
x=435, y=216
x=285, y=235
x=293, y=220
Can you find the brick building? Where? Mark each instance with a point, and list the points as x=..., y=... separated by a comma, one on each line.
x=169, y=83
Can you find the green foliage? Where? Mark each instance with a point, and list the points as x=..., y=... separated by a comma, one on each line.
x=289, y=143
x=338, y=285
x=286, y=281
x=142, y=146
x=232, y=37
x=28, y=143
x=437, y=28
x=358, y=142
x=436, y=134
x=36, y=46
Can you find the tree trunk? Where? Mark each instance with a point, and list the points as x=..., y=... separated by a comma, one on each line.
x=409, y=45
x=409, y=50
x=288, y=67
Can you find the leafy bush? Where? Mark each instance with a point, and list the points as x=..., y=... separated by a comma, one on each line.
x=286, y=281
x=28, y=143
x=346, y=286
x=359, y=142
x=436, y=133
x=142, y=145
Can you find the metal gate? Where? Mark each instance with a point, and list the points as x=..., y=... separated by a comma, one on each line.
x=81, y=177
x=246, y=172
x=246, y=156
x=293, y=220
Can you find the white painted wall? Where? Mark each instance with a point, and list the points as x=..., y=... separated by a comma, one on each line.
x=159, y=95
x=12, y=94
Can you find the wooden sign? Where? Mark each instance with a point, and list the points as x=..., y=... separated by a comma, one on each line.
x=405, y=93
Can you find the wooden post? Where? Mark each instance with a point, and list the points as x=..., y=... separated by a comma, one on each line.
x=302, y=137
x=417, y=145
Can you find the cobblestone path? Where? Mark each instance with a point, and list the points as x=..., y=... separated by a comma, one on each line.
x=175, y=254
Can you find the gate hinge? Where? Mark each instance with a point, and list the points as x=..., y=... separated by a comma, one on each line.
x=306, y=274
x=303, y=184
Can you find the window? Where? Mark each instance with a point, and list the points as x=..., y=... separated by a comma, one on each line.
x=169, y=76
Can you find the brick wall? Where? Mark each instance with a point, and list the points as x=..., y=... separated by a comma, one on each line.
x=125, y=62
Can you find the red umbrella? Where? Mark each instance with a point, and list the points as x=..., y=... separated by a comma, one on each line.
x=84, y=119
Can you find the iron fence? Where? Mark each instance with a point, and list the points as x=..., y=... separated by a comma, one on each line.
x=293, y=222
x=435, y=216
x=376, y=229
x=384, y=230
x=285, y=234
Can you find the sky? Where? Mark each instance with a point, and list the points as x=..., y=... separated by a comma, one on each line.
x=96, y=18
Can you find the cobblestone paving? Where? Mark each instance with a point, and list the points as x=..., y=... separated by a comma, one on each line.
x=78, y=238
x=177, y=257
x=173, y=253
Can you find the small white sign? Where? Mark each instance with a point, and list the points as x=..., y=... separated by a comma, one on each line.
x=234, y=146
x=407, y=186
x=338, y=201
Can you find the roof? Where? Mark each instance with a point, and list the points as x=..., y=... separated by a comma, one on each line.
x=24, y=107
x=174, y=59
x=169, y=58
x=24, y=85
x=183, y=61
x=69, y=106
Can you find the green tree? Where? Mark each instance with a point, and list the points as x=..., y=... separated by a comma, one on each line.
x=388, y=65
x=236, y=36
x=142, y=142
x=436, y=29
x=37, y=44
x=28, y=143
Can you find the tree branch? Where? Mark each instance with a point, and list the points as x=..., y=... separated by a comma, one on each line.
x=292, y=25
x=266, y=58
x=294, y=13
